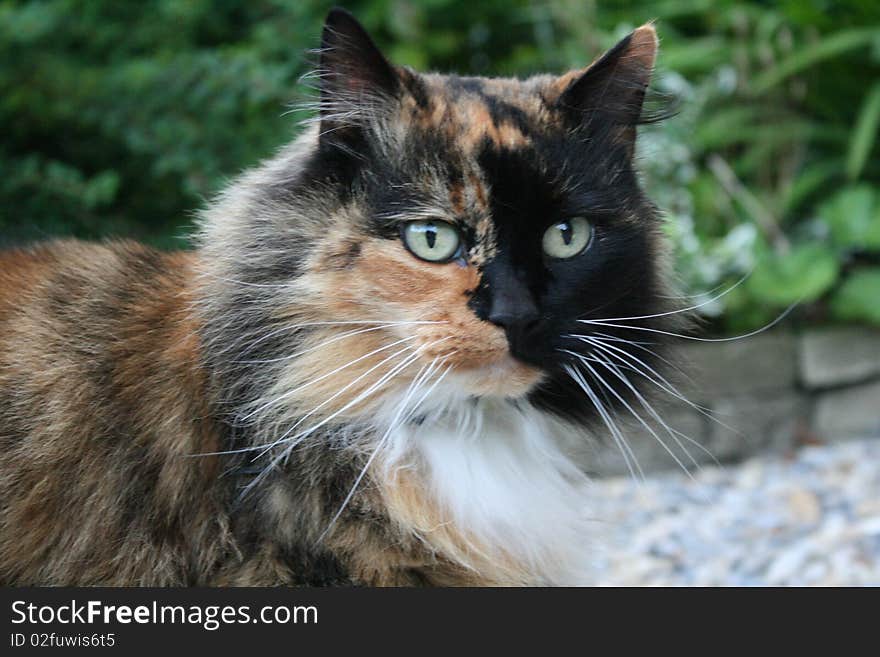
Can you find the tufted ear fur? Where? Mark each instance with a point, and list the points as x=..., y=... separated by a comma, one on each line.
x=354, y=74
x=613, y=86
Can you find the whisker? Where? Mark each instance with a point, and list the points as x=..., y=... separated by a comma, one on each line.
x=436, y=383
x=693, y=296
x=784, y=314
x=396, y=422
x=597, y=341
x=274, y=286
x=623, y=446
x=668, y=428
x=654, y=414
x=293, y=327
x=614, y=338
x=638, y=345
x=297, y=439
x=254, y=448
x=681, y=310
x=617, y=352
x=336, y=338
x=407, y=359
x=699, y=446
x=637, y=416
x=668, y=387
x=289, y=393
x=293, y=441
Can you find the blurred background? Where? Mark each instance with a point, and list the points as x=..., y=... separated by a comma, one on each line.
x=123, y=118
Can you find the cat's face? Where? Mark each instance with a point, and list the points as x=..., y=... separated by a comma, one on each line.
x=479, y=219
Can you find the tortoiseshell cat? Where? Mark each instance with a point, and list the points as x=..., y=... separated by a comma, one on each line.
x=365, y=373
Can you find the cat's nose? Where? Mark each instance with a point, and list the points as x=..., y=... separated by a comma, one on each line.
x=507, y=301
x=513, y=313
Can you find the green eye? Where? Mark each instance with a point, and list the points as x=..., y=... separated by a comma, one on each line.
x=434, y=241
x=566, y=239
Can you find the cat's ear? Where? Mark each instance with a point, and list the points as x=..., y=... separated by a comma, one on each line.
x=354, y=75
x=614, y=85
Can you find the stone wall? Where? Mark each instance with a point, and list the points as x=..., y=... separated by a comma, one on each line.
x=771, y=392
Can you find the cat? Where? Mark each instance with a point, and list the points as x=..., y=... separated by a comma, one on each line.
x=371, y=370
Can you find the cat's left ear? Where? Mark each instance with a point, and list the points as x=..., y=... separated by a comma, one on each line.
x=614, y=85
x=354, y=75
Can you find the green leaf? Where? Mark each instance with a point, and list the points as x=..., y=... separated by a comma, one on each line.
x=808, y=181
x=804, y=57
x=864, y=134
x=802, y=274
x=858, y=299
x=853, y=217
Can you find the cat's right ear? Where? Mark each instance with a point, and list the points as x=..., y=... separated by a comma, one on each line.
x=355, y=77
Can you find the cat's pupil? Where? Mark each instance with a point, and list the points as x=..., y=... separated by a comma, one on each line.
x=567, y=232
x=431, y=235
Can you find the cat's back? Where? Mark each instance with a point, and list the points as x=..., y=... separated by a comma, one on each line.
x=21, y=269
x=67, y=278
x=69, y=301
x=100, y=380
x=73, y=271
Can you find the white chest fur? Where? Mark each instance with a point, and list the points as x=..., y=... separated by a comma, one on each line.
x=508, y=476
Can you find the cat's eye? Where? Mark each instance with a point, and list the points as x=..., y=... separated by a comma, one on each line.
x=434, y=241
x=566, y=239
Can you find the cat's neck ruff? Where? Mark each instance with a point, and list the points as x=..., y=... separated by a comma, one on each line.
x=504, y=485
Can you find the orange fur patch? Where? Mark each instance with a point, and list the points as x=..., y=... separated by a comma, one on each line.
x=386, y=283
x=478, y=124
x=20, y=271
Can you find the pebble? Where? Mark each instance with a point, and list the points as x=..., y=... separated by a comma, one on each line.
x=811, y=518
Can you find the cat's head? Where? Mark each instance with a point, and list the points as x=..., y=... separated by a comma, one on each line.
x=466, y=224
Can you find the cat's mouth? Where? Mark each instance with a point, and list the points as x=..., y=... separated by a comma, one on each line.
x=480, y=359
x=503, y=376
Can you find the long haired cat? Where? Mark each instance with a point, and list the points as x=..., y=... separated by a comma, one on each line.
x=374, y=367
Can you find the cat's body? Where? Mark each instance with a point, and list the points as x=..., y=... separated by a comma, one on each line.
x=311, y=397
x=104, y=400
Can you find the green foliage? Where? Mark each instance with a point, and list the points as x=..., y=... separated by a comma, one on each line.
x=120, y=118
x=858, y=297
x=853, y=217
x=771, y=169
x=865, y=134
x=801, y=274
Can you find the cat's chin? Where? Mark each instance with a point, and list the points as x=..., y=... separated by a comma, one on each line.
x=507, y=378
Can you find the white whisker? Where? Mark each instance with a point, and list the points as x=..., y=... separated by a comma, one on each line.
x=657, y=416
x=606, y=337
x=651, y=411
x=263, y=448
x=636, y=415
x=691, y=337
x=625, y=449
x=680, y=310
x=293, y=441
x=323, y=344
x=339, y=392
x=296, y=439
x=274, y=286
x=294, y=327
x=400, y=418
x=295, y=390
x=668, y=387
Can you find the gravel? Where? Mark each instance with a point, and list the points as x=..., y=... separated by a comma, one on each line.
x=811, y=519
